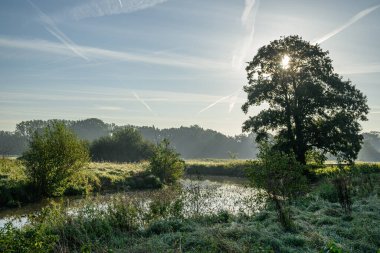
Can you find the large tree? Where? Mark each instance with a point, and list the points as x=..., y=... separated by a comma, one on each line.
x=309, y=106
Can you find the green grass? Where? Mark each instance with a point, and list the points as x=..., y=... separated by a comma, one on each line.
x=105, y=177
x=360, y=167
x=15, y=189
x=109, y=177
x=126, y=226
x=14, y=185
x=217, y=167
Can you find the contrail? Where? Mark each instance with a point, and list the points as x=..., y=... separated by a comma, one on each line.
x=100, y=8
x=233, y=100
x=247, y=11
x=249, y=14
x=178, y=61
x=213, y=104
x=56, y=32
x=143, y=102
x=353, y=20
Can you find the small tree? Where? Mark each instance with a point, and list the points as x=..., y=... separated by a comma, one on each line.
x=166, y=163
x=280, y=177
x=53, y=157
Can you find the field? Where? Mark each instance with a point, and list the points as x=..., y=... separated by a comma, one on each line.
x=126, y=225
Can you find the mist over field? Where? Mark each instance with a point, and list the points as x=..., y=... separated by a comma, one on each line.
x=192, y=142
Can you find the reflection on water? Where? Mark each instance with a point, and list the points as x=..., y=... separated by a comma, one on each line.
x=199, y=195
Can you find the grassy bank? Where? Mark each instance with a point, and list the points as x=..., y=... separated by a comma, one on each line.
x=15, y=189
x=217, y=167
x=126, y=225
x=105, y=177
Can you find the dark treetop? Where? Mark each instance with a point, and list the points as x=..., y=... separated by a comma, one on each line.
x=310, y=106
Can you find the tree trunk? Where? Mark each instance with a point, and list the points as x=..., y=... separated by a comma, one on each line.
x=283, y=215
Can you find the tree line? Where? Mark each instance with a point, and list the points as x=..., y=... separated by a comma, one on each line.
x=191, y=142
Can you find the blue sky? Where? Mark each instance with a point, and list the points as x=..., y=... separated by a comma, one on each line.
x=167, y=62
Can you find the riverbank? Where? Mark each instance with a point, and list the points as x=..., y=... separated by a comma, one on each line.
x=166, y=224
x=197, y=217
x=15, y=189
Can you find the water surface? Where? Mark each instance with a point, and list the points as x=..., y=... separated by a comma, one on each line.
x=205, y=195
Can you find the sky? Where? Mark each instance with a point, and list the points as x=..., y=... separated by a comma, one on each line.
x=167, y=63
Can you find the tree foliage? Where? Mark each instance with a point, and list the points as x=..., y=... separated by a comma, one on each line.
x=54, y=155
x=310, y=106
x=11, y=143
x=166, y=163
x=281, y=178
x=125, y=145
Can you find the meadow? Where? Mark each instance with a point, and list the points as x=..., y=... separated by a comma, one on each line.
x=165, y=224
x=105, y=177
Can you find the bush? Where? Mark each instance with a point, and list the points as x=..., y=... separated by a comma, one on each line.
x=343, y=185
x=53, y=157
x=166, y=163
x=331, y=247
x=280, y=177
x=125, y=145
x=328, y=192
x=31, y=239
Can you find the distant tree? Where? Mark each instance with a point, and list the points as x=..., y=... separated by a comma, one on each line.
x=28, y=128
x=90, y=129
x=12, y=143
x=54, y=155
x=196, y=142
x=310, y=106
x=166, y=163
x=125, y=145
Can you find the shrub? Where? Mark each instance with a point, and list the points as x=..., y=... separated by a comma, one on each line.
x=280, y=177
x=123, y=214
x=331, y=247
x=53, y=157
x=328, y=192
x=31, y=239
x=343, y=186
x=166, y=163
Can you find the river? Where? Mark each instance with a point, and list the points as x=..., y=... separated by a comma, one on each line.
x=204, y=195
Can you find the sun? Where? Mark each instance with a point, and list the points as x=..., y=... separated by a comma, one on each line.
x=285, y=61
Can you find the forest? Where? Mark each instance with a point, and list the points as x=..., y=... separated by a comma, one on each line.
x=192, y=142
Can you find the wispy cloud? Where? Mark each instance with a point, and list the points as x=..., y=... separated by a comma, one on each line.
x=365, y=68
x=109, y=96
x=109, y=108
x=248, y=19
x=100, y=8
x=105, y=54
x=143, y=102
x=350, y=22
x=51, y=27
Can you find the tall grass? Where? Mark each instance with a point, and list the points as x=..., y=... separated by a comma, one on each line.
x=217, y=167
x=15, y=188
x=128, y=224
